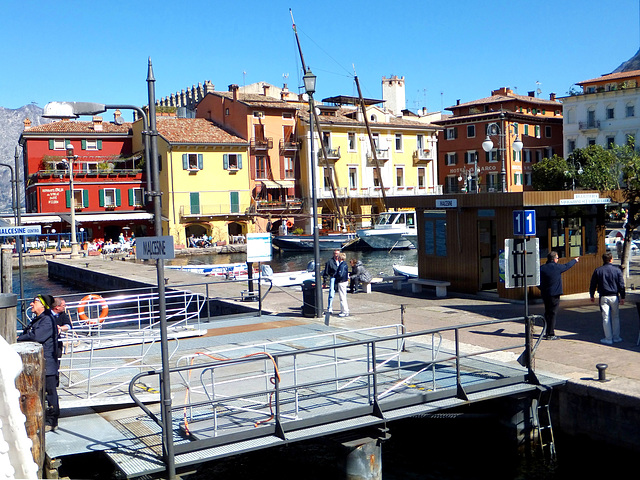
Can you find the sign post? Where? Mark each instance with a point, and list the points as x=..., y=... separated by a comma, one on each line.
x=258, y=250
x=155, y=248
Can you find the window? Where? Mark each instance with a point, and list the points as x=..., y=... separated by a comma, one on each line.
x=58, y=144
x=562, y=228
x=136, y=197
x=226, y=111
x=611, y=142
x=591, y=119
x=92, y=144
x=470, y=156
x=493, y=184
x=630, y=110
x=109, y=197
x=398, y=142
x=517, y=156
x=287, y=115
x=527, y=179
x=376, y=140
x=192, y=161
x=450, y=158
x=376, y=178
x=515, y=129
x=258, y=114
x=327, y=179
x=571, y=146
x=351, y=138
x=80, y=198
x=517, y=179
x=451, y=133
x=289, y=171
x=610, y=113
x=451, y=184
x=538, y=156
x=492, y=156
x=194, y=203
x=526, y=129
x=591, y=141
x=234, y=202
x=420, y=142
x=547, y=131
x=537, y=128
x=326, y=139
x=422, y=178
x=261, y=166
x=232, y=161
x=435, y=233
x=353, y=178
x=399, y=177
x=471, y=131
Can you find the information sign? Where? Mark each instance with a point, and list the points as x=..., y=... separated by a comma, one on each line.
x=20, y=230
x=524, y=223
x=258, y=247
x=522, y=261
x=149, y=248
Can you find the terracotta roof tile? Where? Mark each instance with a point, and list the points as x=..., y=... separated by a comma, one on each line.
x=72, y=126
x=612, y=76
x=257, y=100
x=347, y=117
x=496, y=99
x=194, y=130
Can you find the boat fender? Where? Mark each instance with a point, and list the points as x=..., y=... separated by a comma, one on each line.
x=289, y=224
x=92, y=299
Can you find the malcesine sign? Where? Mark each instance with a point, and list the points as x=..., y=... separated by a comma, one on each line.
x=148, y=248
x=19, y=230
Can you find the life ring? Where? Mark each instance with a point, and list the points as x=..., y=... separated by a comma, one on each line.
x=89, y=300
x=289, y=224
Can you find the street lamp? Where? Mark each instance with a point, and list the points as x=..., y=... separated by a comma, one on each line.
x=72, y=200
x=575, y=172
x=487, y=146
x=309, y=80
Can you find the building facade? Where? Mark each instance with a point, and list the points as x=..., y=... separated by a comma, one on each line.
x=604, y=113
x=108, y=178
x=463, y=164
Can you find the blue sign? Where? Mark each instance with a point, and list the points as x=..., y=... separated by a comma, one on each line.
x=524, y=222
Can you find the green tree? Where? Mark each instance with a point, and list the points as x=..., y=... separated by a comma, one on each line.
x=595, y=168
x=550, y=174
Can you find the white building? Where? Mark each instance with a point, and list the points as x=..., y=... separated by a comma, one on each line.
x=605, y=113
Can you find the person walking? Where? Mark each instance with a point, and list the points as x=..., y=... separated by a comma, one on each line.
x=551, y=289
x=329, y=274
x=609, y=282
x=42, y=329
x=342, y=278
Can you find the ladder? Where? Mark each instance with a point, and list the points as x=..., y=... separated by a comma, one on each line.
x=544, y=427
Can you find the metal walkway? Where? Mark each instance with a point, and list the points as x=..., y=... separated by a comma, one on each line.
x=236, y=393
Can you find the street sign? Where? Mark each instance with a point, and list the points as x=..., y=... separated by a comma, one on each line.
x=20, y=230
x=258, y=247
x=519, y=266
x=149, y=248
x=524, y=223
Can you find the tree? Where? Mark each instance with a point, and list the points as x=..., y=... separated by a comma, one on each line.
x=549, y=174
x=600, y=169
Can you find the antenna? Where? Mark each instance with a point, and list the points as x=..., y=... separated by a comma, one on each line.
x=538, y=90
x=244, y=79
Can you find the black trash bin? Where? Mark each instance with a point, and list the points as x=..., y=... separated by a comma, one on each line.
x=309, y=298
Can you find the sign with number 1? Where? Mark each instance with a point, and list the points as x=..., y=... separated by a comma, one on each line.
x=524, y=222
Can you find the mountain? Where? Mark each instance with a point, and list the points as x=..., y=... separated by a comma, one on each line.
x=632, y=64
x=11, y=126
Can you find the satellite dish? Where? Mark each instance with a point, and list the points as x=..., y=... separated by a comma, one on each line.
x=538, y=91
x=118, y=120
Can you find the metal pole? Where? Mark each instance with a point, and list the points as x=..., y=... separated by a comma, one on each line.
x=19, y=237
x=503, y=172
x=165, y=392
x=314, y=206
x=72, y=202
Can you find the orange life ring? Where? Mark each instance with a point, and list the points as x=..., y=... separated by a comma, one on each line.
x=289, y=224
x=89, y=300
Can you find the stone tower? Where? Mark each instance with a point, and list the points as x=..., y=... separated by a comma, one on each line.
x=393, y=94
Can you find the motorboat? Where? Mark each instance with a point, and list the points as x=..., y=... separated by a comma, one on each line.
x=305, y=243
x=239, y=271
x=405, y=270
x=222, y=270
x=412, y=237
x=390, y=231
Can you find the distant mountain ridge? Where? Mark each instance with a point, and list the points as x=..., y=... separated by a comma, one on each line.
x=11, y=126
x=632, y=64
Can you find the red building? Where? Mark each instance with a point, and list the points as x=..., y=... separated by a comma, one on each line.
x=504, y=117
x=107, y=176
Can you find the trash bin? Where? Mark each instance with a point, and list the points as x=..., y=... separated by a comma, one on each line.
x=309, y=298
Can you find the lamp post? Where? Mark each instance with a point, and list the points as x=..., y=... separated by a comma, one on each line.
x=466, y=176
x=72, y=200
x=575, y=172
x=310, y=88
x=487, y=146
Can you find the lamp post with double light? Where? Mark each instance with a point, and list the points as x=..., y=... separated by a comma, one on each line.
x=72, y=200
x=309, y=80
x=494, y=129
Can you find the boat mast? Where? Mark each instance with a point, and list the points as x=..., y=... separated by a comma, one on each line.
x=372, y=143
x=338, y=206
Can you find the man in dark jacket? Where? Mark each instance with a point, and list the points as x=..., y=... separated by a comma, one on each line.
x=551, y=289
x=330, y=269
x=43, y=329
x=609, y=282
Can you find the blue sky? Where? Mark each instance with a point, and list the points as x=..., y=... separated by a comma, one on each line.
x=461, y=49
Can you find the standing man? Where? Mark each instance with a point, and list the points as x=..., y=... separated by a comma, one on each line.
x=60, y=315
x=42, y=329
x=342, y=278
x=609, y=282
x=330, y=269
x=551, y=289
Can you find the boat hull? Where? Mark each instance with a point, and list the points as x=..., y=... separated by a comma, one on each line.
x=304, y=243
x=385, y=239
x=405, y=270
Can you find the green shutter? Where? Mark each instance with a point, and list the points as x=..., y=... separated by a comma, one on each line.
x=101, y=196
x=185, y=161
x=99, y=144
x=225, y=161
x=235, y=202
x=51, y=144
x=68, y=196
x=83, y=144
x=194, y=199
x=239, y=161
x=85, y=198
x=200, y=162
x=67, y=142
x=131, y=197
x=118, y=198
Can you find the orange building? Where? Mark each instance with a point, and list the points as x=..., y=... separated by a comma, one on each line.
x=504, y=117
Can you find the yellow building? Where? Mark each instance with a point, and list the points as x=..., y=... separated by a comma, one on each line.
x=406, y=152
x=204, y=179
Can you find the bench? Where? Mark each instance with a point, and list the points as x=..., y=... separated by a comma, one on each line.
x=365, y=287
x=441, y=285
x=247, y=296
x=397, y=280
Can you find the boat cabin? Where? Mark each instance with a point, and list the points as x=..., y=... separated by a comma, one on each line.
x=396, y=219
x=461, y=237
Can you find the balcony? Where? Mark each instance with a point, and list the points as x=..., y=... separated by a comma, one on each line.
x=288, y=147
x=332, y=153
x=278, y=206
x=591, y=125
x=376, y=192
x=381, y=155
x=193, y=212
x=260, y=144
x=423, y=155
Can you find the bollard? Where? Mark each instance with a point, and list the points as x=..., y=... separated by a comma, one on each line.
x=8, y=316
x=602, y=374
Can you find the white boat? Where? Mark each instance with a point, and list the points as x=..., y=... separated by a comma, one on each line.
x=390, y=230
x=412, y=237
x=238, y=271
x=406, y=270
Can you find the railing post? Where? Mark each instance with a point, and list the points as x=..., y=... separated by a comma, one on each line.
x=461, y=393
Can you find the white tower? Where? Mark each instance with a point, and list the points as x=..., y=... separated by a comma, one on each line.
x=393, y=94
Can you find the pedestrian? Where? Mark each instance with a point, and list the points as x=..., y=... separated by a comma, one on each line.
x=342, y=278
x=42, y=329
x=359, y=275
x=330, y=269
x=609, y=282
x=551, y=289
x=60, y=315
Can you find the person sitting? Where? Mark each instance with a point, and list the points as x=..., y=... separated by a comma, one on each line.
x=359, y=275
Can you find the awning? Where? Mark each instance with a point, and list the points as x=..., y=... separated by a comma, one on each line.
x=287, y=183
x=109, y=217
x=270, y=184
x=278, y=184
x=34, y=219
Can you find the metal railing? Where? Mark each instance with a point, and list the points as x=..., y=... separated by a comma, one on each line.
x=212, y=210
x=376, y=192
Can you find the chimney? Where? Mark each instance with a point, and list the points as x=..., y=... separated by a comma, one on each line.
x=265, y=90
x=27, y=124
x=234, y=88
x=116, y=115
x=97, y=123
x=284, y=93
x=458, y=102
x=552, y=96
x=532, y=93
